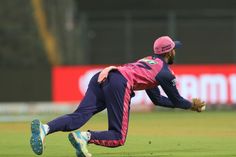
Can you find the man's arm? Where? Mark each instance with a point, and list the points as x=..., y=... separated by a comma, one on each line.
x=158, y=99
x=168, y=84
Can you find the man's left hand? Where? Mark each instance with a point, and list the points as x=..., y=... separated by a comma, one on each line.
x=104, y=73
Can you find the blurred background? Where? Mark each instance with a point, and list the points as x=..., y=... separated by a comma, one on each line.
x=38, y=35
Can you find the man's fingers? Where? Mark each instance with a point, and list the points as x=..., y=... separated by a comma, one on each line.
x=104, y=73
x=198, y=105
x=102, y=77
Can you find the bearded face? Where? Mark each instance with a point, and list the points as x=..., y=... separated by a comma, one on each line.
x=171, y=57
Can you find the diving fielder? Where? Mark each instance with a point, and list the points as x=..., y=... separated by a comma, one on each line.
x=112, y=89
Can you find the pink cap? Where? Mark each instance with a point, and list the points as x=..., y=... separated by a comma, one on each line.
x=165, y=44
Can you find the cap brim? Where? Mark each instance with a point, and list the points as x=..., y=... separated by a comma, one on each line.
x=178, y=44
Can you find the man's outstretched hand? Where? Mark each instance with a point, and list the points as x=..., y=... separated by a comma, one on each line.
x=104, y=73
x=198, y=105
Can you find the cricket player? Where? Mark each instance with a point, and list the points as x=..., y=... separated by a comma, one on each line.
x=112, y=89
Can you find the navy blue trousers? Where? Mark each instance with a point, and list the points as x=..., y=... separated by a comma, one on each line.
x=114, y=95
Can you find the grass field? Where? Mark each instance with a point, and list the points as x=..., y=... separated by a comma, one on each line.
x=157, y=134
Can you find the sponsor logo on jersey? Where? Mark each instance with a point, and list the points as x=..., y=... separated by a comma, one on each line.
x=174, y=82
x=150, y=61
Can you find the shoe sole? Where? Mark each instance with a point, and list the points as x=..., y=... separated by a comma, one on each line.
x=35, y=140
x=72, y=138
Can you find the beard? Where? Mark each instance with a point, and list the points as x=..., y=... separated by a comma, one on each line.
x=171, y=59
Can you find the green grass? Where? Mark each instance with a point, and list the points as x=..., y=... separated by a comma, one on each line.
x=157, y=134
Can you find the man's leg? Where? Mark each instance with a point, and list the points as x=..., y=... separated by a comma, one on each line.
x=117, y=94
x=79, y=117
x=90, y=105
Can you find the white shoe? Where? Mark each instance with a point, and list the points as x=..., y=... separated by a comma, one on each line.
x=79, y=141
x=37, y=137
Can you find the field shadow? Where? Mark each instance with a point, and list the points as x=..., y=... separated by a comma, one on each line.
x=150, y=153
x=155, y=153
